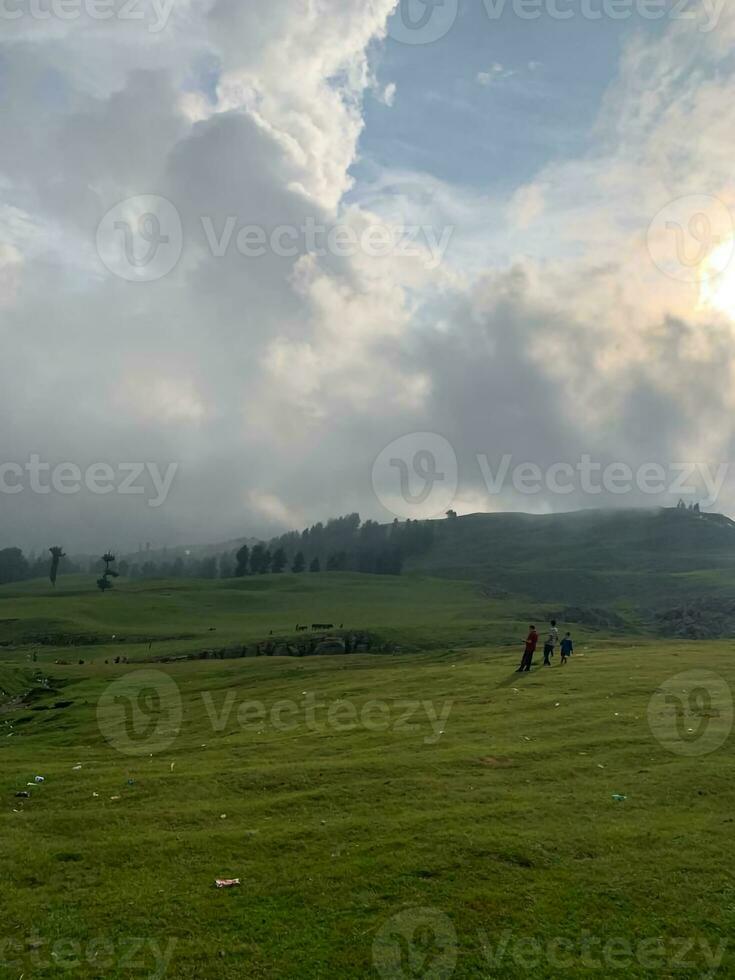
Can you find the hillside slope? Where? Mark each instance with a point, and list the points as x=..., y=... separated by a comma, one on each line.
x=634, y=557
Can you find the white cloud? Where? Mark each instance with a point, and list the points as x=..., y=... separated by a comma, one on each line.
x=275, y=381
x=388, y=95
x=496, y=73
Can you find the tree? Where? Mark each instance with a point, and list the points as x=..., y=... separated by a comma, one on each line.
x=299, y=564
x=57, y=554
x=208, y=567
x=260, y=560
x=337, y=562
x=226, y=565
x=243, y=562
x=104, y=583
x=13, y=565
x=315, y=566
x=278, y=562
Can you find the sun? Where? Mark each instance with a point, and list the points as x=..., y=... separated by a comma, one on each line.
x=717, y=280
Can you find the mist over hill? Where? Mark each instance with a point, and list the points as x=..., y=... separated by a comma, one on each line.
x=591, y=554
x=672, y=570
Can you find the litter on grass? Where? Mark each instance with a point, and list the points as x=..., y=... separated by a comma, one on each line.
x=39, y=779
x=618, y=798
x=228, y=883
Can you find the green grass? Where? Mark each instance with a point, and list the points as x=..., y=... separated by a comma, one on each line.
x=415, y=612
x=504, y=824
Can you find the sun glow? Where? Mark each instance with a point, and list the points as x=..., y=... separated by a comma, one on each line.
x=717, y=285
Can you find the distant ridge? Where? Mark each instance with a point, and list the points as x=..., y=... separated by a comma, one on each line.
x=637, y=556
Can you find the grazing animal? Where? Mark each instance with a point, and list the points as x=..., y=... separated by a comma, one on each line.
x=323, y=626
x=301, y=629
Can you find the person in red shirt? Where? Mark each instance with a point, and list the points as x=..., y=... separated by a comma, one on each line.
x=531, y=644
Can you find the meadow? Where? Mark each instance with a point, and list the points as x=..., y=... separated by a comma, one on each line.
x=420, y=813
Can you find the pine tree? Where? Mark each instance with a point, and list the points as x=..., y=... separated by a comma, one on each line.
x=243, y=562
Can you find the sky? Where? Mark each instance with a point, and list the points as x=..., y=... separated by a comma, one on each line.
x=264, y=264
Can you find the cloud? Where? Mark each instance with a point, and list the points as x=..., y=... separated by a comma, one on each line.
x=496, y=73
x=274, y=382
x=388, y=95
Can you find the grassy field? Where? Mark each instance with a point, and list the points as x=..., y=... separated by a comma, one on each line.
x=179, y=616
x=422, y=814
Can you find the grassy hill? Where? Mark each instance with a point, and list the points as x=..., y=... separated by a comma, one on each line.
x=387, y=816
x=628, y=557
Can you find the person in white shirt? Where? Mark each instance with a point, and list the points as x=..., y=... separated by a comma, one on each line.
x=551, y=642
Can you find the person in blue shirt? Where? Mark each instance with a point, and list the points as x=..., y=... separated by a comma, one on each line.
x=567, y=648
